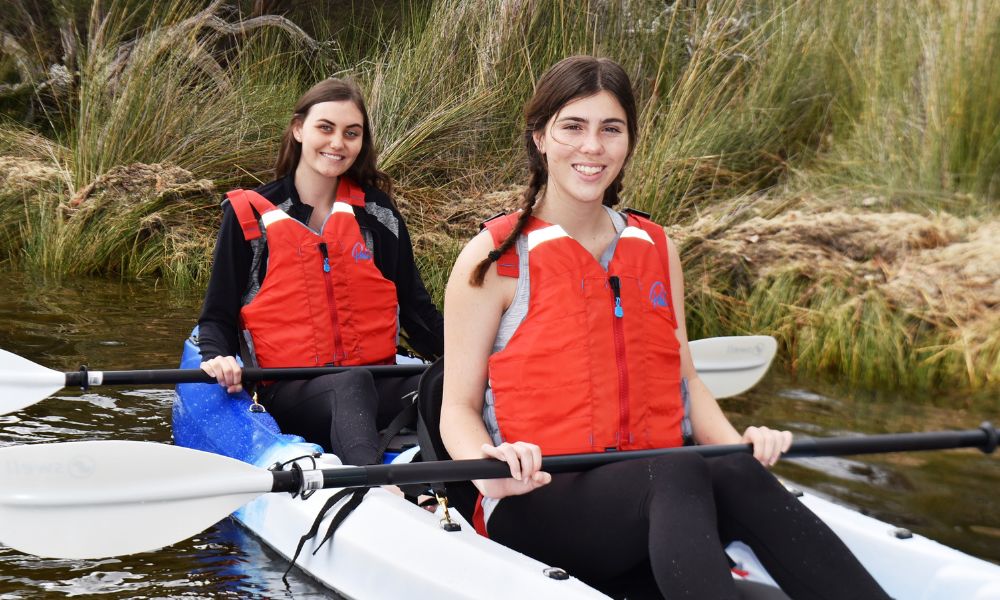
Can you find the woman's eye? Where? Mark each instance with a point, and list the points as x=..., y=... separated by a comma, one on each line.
x=613, y=130
x=352, y=133
x=325, y=128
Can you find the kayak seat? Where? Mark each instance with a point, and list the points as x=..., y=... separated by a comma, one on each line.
x=461, y=494
x=753, y=590
x=429, y=395
x=401, y=442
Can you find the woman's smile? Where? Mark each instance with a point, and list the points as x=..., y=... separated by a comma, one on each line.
x=589, y=170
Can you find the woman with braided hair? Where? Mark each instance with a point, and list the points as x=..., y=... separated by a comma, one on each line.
x=564, y=333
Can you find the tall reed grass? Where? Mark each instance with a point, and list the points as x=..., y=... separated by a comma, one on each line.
x=182, y=97
x=877, y=105
x=919, y=112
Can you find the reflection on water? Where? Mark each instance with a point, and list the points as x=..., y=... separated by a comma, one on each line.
x=949, y=496
x=224, y=562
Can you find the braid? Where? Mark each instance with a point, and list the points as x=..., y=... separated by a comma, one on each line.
x=528, y=199
x=611, y=195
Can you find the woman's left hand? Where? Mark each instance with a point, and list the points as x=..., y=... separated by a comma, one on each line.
x=768, y=444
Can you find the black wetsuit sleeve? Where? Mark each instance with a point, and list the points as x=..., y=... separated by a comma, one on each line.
x=418, y=316
x=220, y=313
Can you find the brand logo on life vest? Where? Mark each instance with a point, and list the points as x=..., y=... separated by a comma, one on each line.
x=658, y=295
x=360, y=253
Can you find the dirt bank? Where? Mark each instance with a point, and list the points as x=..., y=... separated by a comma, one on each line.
x=941, y=269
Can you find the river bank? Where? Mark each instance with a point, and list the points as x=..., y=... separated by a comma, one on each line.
x=830, y=171
x=878, y=296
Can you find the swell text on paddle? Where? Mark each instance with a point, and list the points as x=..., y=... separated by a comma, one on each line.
x=756, y=350
x=80, y=467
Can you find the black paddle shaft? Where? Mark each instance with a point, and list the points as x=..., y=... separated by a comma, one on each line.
x=171, y=376
x=984, y=438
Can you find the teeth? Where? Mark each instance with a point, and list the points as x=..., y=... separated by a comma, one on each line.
x=587, y=170
x=333, y=156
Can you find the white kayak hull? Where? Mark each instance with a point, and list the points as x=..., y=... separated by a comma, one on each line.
x=389, y=548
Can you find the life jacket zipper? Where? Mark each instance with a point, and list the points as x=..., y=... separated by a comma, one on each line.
x=338, y=342
x=624, y=435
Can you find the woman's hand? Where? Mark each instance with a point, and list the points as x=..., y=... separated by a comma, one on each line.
x=768, y=444
x=226, y=371
x=524, y=460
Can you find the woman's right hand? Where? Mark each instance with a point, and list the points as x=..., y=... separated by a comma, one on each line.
x=226, y=371
x=525, y=461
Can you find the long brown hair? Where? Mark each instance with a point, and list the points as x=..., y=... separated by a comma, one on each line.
x=364, y=170
x=569, y=79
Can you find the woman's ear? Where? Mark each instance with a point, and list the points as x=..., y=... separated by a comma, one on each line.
x=297, y=131
x=539, y=138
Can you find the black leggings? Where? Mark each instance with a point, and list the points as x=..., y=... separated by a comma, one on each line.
x=342, y=412
x=678, y=512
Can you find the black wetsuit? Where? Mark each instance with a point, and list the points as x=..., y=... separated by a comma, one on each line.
x=340, y=412
x=673, y=515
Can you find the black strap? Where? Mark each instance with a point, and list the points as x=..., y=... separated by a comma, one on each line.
x=427, y=453
x=357, y=494
x=636, y=211
x=398, y=423
x=355, y=501
x=482, y=225
x=315, y=526
x=405, y=416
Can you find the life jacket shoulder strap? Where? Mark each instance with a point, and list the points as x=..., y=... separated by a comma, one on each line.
x=244, y=203
x=500, y=226
x=640, y=219
x=349, y=191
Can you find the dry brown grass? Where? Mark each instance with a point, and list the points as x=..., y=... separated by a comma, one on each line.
x=927, y=287
x=20, y=175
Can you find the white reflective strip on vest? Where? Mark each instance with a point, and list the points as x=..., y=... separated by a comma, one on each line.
x=545, y=234
x=272, y=216
x=342, y=207
x=636, y=232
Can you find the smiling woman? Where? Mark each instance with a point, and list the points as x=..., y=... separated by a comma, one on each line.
x=316, y=268
x=566, y=334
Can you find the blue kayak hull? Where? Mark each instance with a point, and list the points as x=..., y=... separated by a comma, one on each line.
x=206, y=417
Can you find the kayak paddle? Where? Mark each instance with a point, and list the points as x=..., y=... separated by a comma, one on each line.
x=23, y=383
x=106, y=498
x=728, y=366
x=731, y=365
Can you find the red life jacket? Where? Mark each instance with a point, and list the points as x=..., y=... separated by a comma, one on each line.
x=595, y=365
x=323, y=301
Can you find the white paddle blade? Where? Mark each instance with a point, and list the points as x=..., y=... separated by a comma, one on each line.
x=108, y=498
x=23, y=383
x=732, y=365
